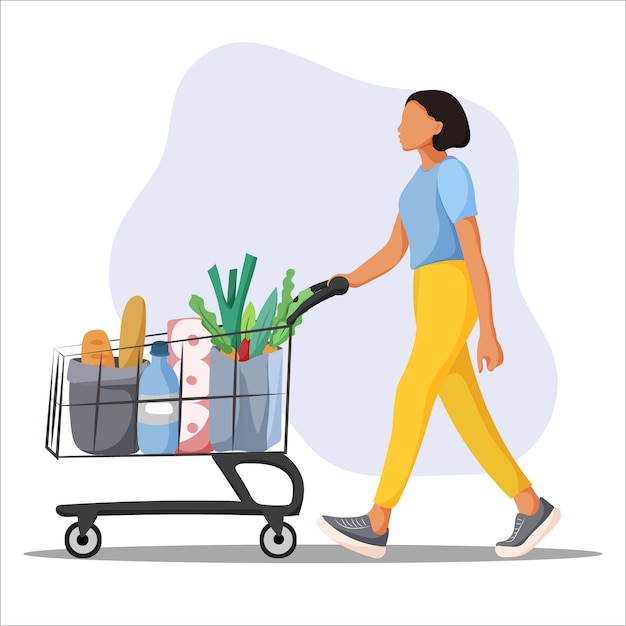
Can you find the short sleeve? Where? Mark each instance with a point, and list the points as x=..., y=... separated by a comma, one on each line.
x=456, y=190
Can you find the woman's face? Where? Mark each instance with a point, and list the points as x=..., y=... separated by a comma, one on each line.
x=417, y=128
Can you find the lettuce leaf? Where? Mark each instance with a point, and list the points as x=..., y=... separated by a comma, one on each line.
x=209, y=321
x=248, y=320
x=280, y=335
x=266, y=315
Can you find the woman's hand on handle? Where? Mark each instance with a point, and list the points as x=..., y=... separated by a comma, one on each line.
x=346, y=276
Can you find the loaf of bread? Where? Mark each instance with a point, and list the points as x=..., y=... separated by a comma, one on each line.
x=96, y=349
x=133, y=332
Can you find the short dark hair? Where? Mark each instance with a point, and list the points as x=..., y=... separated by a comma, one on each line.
x=445, y=108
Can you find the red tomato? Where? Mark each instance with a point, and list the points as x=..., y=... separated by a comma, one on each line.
x=244, y=350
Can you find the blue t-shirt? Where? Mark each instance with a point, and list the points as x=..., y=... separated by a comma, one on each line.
x=430, y=204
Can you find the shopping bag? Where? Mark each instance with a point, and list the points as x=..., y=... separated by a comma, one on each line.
x=245, y=404
x=103, y=407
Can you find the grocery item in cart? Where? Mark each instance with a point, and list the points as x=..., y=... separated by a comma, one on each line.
x=158, y=411
x=103, y=407
x=246, y=363
x=96, y=349
x=132, y=332
x=233, y=336
x=250, y=419
x=189, y=356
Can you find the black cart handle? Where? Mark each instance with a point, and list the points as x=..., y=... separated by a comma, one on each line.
x=321, y=291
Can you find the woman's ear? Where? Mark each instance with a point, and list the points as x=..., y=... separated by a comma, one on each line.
x=438, y=127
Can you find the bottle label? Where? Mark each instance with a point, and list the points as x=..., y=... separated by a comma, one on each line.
x=157, y=410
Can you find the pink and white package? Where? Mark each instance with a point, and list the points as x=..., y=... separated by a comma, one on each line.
x=189, y=342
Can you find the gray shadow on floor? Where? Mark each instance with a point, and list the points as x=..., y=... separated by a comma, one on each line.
x=310, y=554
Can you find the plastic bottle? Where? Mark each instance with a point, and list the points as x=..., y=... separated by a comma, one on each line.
x=158, y=413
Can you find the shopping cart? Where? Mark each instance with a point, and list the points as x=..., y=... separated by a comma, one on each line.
x=103, y=418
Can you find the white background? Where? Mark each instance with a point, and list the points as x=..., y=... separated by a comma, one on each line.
x=87, y=91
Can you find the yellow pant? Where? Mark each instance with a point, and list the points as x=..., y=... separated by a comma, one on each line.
x=445, y=313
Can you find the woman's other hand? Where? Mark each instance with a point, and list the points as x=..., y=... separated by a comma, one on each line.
x=490, y=350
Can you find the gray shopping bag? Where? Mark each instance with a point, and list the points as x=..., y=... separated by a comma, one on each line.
x=245, y=411
x=103, y=407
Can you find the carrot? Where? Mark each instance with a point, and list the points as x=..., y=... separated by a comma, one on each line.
x=230, y=355
x=269, y=349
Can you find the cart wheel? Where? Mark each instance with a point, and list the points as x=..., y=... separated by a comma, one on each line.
x=83, y=547
x=278, y=546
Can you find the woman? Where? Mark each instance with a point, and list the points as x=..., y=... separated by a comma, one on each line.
x=437, y=222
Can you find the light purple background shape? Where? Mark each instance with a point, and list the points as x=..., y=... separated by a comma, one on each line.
x=274, y=155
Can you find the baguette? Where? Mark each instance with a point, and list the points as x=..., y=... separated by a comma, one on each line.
x=96, y=349
x=133, y=332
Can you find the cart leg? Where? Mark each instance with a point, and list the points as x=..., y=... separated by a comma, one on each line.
x=274, y=518
x=86, y=520
x=227, y=463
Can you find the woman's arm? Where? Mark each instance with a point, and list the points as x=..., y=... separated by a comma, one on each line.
x=384, y=260
x=488, y=347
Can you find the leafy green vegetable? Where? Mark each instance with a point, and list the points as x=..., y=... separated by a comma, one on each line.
x=280, y=335
x=264, y=320
x=285, y=299
x=248, y=320
x=238, y=323
x=231, y=308
x=209, y=321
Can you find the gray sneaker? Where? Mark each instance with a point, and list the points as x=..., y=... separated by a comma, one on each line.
x=356, y=534
x=529, y=530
